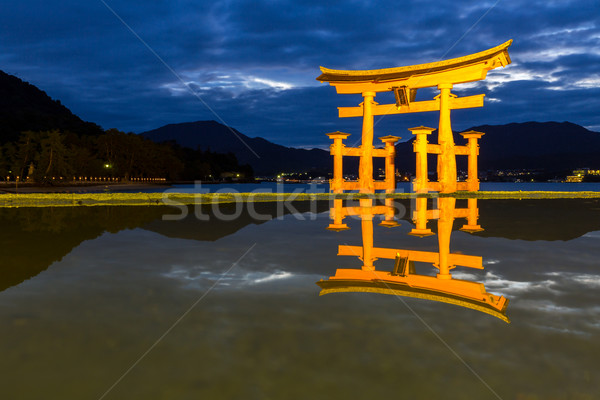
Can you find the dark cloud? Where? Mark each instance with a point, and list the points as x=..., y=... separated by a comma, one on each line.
x=255, y=62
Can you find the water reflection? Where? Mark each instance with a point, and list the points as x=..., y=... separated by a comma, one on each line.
x=403, y=280
x=263, y=332
x=34, y=238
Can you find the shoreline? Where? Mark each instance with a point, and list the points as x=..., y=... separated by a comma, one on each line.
x=9, y=200
x=79, y=188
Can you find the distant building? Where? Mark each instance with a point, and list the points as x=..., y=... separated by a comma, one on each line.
x=233, y=175
x=580, y=174
x=574, y=178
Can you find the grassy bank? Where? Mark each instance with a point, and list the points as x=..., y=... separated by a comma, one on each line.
x=147, y=199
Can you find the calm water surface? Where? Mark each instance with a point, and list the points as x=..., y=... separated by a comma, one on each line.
x=402, y=187
x=233, y=311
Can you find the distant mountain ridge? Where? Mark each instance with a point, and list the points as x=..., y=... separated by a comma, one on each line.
x=266, y=158
x=24, y=107
x=552, y=146
x=548, y=145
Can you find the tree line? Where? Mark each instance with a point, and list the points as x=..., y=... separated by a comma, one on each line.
x=54, y=155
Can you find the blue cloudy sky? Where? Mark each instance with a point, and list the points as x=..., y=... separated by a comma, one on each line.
x=138, y=65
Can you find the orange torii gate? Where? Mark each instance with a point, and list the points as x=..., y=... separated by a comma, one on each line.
x=339, y=150
x=403, y=280
x=422, y=147
x=404, y=82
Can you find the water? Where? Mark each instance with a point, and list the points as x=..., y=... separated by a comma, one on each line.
x=402, y=187
x=541, y=186
x=230, y=309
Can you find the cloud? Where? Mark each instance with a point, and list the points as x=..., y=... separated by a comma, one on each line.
x=270, y=277
x=255, y=62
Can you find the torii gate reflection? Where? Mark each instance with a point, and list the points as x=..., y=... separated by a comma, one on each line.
x=403, y=280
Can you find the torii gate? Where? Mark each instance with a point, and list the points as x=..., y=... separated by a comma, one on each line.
x=403, y=280
x=404, y=82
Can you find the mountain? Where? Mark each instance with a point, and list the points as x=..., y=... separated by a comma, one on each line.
x=529, y=219
x=549, y=145
x=266, y=158
x=552, y=146
x=192, y=228
x=25, y=107
x=547, y=219
x=55, y=232
x=34, y=238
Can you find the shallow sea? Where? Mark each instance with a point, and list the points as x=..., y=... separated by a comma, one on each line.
x=402, y=187
x=121, y=303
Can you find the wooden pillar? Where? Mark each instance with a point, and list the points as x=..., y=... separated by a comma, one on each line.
x=365, y=169
x=336, y=213
x=390, y=167
x=336, y=185
x=473, y=146
x=446, y=167
x=390, y=213
x=472, y=216
x=366, y=217
x=390, y=179
x=420, y=149
x=445, y=221
x=420, y=219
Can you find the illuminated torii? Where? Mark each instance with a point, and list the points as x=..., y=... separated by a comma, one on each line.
x=404, y=82
x=403, y=280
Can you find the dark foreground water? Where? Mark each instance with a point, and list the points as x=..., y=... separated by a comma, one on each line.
x=401, y=187
x=115, y=303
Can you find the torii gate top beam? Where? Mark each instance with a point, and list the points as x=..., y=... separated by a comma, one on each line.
x=469, y=68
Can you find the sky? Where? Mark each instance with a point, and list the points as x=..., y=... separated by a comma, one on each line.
x=138, y=65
